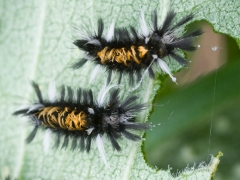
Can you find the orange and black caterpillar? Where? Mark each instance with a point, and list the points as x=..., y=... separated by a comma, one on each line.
x=126, y=51
x=82, y=119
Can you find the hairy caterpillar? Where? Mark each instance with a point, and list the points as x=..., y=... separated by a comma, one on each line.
x=127, y=51
x=77, y=116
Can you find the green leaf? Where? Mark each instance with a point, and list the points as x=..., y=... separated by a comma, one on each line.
x=35, y=44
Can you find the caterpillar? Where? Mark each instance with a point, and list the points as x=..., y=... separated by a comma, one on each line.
x=127, y=51
x=80, y=118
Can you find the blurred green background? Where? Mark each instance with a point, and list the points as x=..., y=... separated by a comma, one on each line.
x=201, y=115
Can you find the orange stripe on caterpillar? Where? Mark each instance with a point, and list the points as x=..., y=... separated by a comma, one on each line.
x=122, y=55
x=65, y=118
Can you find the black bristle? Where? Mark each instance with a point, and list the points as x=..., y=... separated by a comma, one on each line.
x=79, y=64
x=81, y=44
x=70, y=94
x=139, y=76
x=178, y=58
x=136, y=126
x=88, y=145
x=58, y=139
x=130, y=136
x=167, y=22
x=136, y=108
x=100, y=28
x=90, y=97
x=32, y=134
x=114, y=99
x=65, y=141
x=22, y=111
x=125, y=34
x=38, y=92
x=114, y=142
x=151, y=73
x=195, y=33
x=154, y=20
x=131, y=79
x=182, y=21
x=109, y=76
x=85, y=97
x=185, y=44
x=128, y=102
x=134, y=33
x=120, y=77
x=82, y=143
x=79, y=95
x=74, y=142
x=62, y=95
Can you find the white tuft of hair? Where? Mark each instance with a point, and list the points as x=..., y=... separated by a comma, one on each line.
x=47, y=140
x=51, y=91
x=34, y=107
x=101, y=149
x=94, y=73
x=89, y=130
x=110, y=33
x=166, y=69
x=103, y=92
x=143, y=26
x=91, y=110
x=94, y=42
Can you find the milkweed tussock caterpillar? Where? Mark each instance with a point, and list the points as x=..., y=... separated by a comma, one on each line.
x=77, y=116
x=127, y=51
